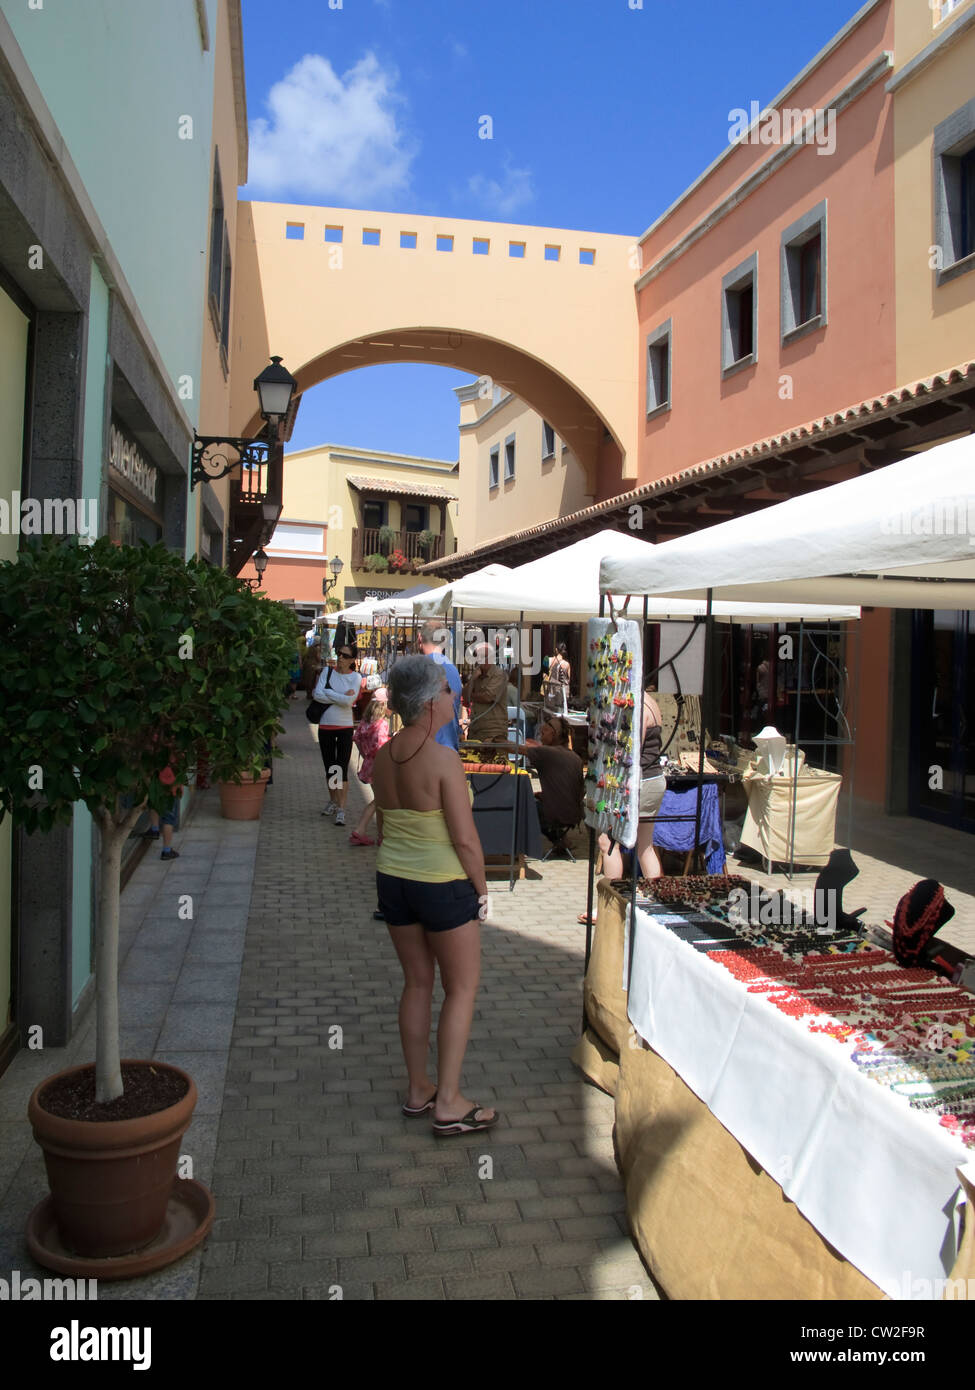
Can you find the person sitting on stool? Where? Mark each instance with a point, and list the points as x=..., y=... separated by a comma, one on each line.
x=560, y=774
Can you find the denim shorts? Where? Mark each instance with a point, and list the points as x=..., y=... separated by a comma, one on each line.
x=435, y=906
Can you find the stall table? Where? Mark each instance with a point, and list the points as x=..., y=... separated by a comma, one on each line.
x=494, y=807
x=758, y=1160
x=875, y=1177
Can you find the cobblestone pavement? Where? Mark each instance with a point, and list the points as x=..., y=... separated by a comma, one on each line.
x=320, y=1183
x=319, y=1180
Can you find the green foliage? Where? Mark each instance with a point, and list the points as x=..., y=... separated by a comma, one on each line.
x=117, y=663
x=388, y=535
x=425, y=540
x=379, y=564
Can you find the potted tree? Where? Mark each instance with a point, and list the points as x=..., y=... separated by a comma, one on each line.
x=388, y=536
x=155, y=656
x=425, y=540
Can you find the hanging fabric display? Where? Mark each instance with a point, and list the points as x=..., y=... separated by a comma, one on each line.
x=614, y=667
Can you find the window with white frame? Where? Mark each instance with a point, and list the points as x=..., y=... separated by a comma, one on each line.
x=659, y=345
x=548, y=440
x=802, y=285
x=954, y=193
x=494, y=467
x=739, y=316
x=509, y=458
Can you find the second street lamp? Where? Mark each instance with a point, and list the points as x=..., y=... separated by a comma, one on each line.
x=336, y=566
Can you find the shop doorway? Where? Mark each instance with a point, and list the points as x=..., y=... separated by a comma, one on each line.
x=942, y=777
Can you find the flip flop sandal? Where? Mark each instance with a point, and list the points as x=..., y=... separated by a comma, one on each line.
x=422, y=1110
x=468, y=1125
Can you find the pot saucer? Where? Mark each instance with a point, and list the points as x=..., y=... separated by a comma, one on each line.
x=189, y=1217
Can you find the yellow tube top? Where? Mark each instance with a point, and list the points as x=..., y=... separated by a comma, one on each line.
x=417, y=845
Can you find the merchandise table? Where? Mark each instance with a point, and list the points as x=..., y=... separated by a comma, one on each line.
x=877, y=1179
x=494, y=803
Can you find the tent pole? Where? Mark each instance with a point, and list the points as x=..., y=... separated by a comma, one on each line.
x=853, y=735
x=590, y=878
x=795, y=759
x=636, y=846
x=517, y=793
x=708, y=653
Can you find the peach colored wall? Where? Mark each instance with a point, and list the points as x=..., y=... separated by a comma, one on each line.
x=215, y=383
x=872, y=704
x=524, y=322
x=830, y=367
x=540, y=491
x=935, y=323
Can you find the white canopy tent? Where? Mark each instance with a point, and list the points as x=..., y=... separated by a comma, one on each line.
x=900, y=537
x=564, y=587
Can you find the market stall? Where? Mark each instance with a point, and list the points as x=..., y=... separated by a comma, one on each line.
x=564, y=587
x=802, y=1090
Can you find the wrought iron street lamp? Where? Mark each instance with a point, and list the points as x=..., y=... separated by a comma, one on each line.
x=215, y=457
x=336, y=566
x=260, y=559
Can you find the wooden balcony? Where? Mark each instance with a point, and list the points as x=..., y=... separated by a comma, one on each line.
x=365, y=542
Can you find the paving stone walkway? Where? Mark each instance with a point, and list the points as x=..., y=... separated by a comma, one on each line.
x=321, y=1184
x=279, y=994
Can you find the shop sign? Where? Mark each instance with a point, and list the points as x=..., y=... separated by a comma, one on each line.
x=124, y=458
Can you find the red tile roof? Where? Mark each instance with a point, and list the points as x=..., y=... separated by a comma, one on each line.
x=874, y=408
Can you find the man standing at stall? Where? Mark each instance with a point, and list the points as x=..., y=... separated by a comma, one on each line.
x=486, y=693
x=433, y=635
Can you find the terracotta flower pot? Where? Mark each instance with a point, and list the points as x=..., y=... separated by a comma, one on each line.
x=243, y=802
x=111, y=1180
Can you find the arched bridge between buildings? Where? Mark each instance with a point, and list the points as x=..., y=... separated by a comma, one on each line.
x=546, y=313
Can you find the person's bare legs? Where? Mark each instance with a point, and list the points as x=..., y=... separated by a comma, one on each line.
x=415, y=1007
x=645, y=852
x=458, y=954
x=612, y=858
x=365, y=818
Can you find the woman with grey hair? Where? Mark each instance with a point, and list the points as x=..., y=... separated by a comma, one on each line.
x=431, y=883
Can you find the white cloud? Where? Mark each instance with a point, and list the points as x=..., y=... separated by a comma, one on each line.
x=330, y=136
x=459, y=50
x=506, y=197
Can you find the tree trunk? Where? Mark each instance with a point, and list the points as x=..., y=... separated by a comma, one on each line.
x=108, y=1070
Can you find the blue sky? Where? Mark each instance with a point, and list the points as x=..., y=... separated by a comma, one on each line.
x=602, y=115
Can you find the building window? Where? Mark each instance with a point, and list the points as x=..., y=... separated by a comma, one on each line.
x=373, y=515
x=445, y=243
x=370, y=236
x=552, y=253
x=494, y=467
x=659, y=344
x=943, y=10
x=481, y=246
x=954, y=194
x=548, y=440
x=407, y=241
x=509, y=458
x=220, y=270
x=294, y=231
x=414, y=518
x=587, y=257
x=802, y=297
x=739, y=316
x=516, y=249
x=333, y=233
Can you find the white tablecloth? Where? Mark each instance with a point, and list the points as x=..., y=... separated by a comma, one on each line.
x=875, y=1178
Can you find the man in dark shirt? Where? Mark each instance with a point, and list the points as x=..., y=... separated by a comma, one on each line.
x=559, y=772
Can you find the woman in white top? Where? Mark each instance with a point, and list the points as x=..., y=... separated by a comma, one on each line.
x=337, y=689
